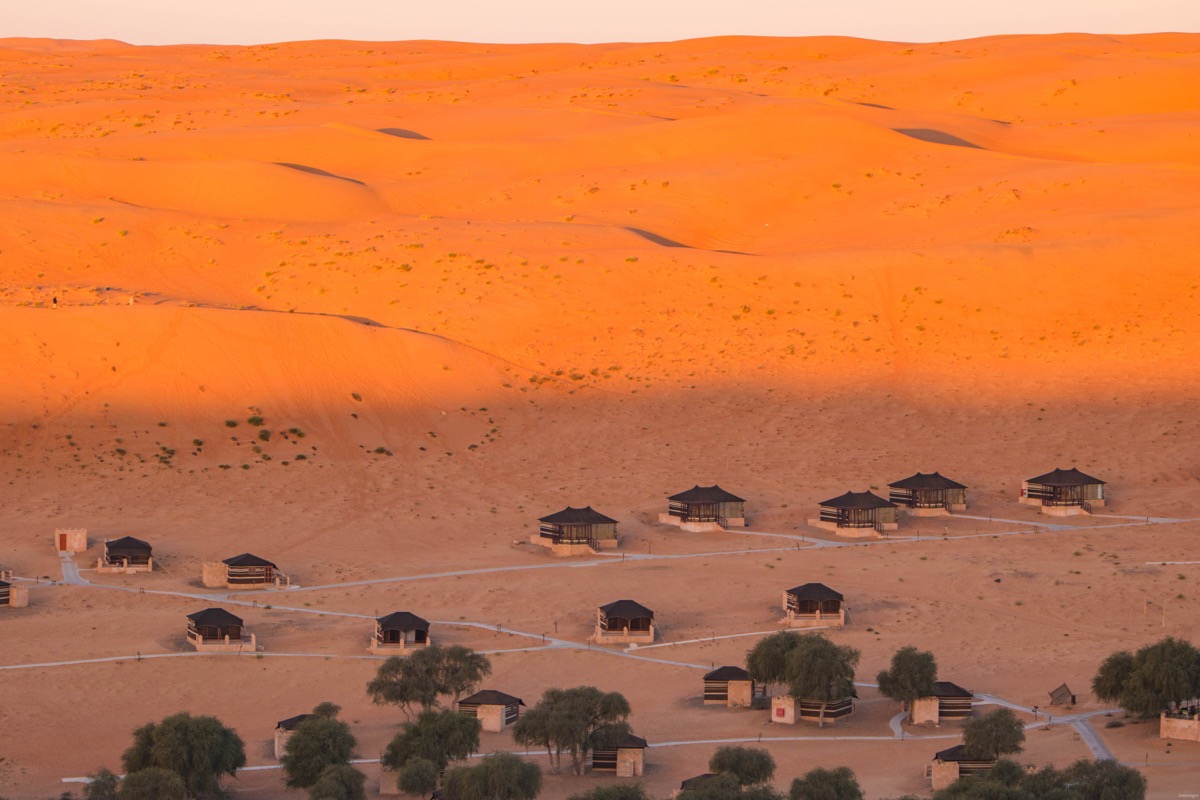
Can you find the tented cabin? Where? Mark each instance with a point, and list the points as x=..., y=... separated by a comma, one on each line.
x=787, y=710
x=1063, y=492
x=857, y=514
x=13, y=595
x=952, y=763
x=246, y=571
x=928, y=495
x=494, y=710
x=813, y=604
x=126, y=555
x=576, y=530
x=949, y=701
x=284, y=728
x=216, y=630
x=705, y=508
x=626, y=759
x=624, y=621
x=728, y=686
x=399, y=631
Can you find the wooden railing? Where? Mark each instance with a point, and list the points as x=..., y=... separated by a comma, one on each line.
x=1086, y=506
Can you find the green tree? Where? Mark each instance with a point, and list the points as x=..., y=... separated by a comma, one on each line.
x=1146, y=682
x=1105, y=780
x=1083, y=780
x=152, y=783
x=102, y=785
x=316, y=743
x=748, y=765
x=572, y=721
x=198, y=749
x=462, y=670
x=616, y=791
x=501, y=776
x=910, y=677
x=339, y=782
x=436, y=736
x=826, y=784
x=419, y=776
x=767, y=661
x=327, y=709
x=993, y=735
x=419, y=679
x=821, y=671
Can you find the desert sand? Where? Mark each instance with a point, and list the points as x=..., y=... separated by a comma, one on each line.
x=468, y=285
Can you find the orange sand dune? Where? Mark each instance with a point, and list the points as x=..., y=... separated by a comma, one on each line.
x=371, y=309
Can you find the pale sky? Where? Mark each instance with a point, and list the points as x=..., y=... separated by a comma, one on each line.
x=259, y=21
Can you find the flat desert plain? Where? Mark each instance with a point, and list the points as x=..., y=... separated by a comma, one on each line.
x=464, y=286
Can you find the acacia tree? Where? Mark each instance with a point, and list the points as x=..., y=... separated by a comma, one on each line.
x=152, y=783
x=102, y=785
x=1146, y=682
x=572, y=721
x=993, y=735
x=1083, y=780
x=436, y=737
x=826, y=784
x=818, y=670
x=339, y=782
x=501, y=776
x=419, y=679
x=616, y=791
x=198, y=749
x=748, y=765
x=911, y=676
x=419, y=777
x=318, y=742
x=767, y=661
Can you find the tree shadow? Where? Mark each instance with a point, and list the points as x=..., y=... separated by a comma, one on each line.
x=316, y=171
x=935, y=137
x=403, y=133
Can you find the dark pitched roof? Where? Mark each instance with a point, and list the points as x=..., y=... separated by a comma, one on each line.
x=490, y=697
x=934, y=480
x=728, y=674
x=630, y=742
x=127, y=543
x=290, y=723
x=403, y=621
x=248, y=560
x=948, y=689
x=1064, y=477
x=577, y=516
x=858, y=500
x=696, y=781
x=627, y=609
x=706, y=494
x=814, y=591
x=5, y=584
x=956, y=753
x=217, y=617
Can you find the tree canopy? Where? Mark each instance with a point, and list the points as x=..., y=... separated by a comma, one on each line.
x=748, y=765
x=615, y=791
x=813, y=667
x=573, y=721
x=1083, y=780
x=339, y=782
x=419, y=679
x=826, y=784
x=102, y=785
x=501, y=776
x=316, y=743
x=1146, y=682
x=435, y=736
x=911, y=676
x=152, y=783
x=199, y=749
x=767, y=661
x=995, y=734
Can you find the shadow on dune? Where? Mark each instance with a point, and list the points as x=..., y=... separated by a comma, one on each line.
x=663, y=241
x=877, y=105
x=403, y=133
x=316, y=171
x=935, y=137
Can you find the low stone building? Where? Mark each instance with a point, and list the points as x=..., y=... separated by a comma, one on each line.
x=705, y=508
x=928, y=495
x=731, y=687
x=215, y=630
x=398, y=632
x=949, y=701
x=245, y=571
x=70, y=540
x=952, y=763
x=813, y=605
x=284, y=729
x=626, y=759
x=1181, y=721
x=624, y=621
x=494, y=710
x=126, y=555
x=12, y=595
x=574, y=531
x=1063, y=492
x=857, y=515
x=787, y=710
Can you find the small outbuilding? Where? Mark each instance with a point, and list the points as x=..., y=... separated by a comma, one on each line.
x=949, y=701
x=1181, y=721
x=624, y=621
x=813, y=604
x=731, y=687
x=126, y=555
x=70, y=540
x=787, y=710
x=215, y=630
x=400, y=631
x=952, y=763
x=1062, y=696
x=1063, y=492
x=857, y=514
x=284, y=729
x=576, y=530
x=13, y=595
x=626, y=759
x=928, y=495
x=245, y=571
x=494, y=710
x=705, y=508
